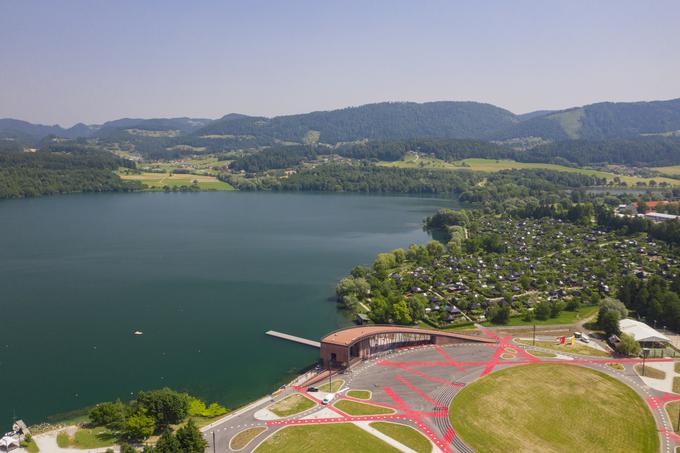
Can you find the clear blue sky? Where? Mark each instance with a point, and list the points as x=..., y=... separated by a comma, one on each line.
x=91, y=61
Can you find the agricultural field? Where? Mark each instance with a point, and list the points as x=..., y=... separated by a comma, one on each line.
x=156, y=181
x=537, y=407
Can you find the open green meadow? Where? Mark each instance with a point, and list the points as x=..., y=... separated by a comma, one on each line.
x=552, y=408
x=405, y=435
x=156, y=181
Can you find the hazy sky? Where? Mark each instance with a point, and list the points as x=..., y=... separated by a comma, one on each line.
x=91, y=61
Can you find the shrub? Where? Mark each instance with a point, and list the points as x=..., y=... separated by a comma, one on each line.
x=627, y=346
x=165, y=406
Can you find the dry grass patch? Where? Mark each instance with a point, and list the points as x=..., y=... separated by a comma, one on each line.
x=650, y=372
x=551, y=407
x=333, y=387
x=291, y=405
x=542, y=354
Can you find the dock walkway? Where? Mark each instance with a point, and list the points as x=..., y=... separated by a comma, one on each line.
x=285, y=336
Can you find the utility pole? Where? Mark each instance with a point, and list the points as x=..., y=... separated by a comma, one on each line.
x=644, y=356
x=330, y=378
x=214, y=446
x=534, y=335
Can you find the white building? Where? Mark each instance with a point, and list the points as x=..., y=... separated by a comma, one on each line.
x=660, y=216
x=643, y=334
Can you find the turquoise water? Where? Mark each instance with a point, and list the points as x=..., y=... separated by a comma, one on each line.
x=203, y=275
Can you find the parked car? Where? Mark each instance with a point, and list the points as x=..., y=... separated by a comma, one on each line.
x=578, y=334
x=585, y=339
x=312, y=389
x=328, y=398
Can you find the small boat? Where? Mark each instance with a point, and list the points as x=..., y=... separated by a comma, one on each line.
x=138, y=332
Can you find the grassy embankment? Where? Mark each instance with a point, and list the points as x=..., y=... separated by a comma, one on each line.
x=329, y=438
x=493, y=165
x=541, y=406
x=156, y=181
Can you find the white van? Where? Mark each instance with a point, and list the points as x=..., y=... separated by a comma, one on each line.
x=328, y=398
x=585, y=338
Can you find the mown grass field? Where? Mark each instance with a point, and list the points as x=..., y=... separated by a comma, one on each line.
x=358, y=409
x=330, y=438
x=291, y=405
x=360, y=394
x=650, y=372
x=494, y=165
x=405, y=435
x=156, y=181
x=552, y=408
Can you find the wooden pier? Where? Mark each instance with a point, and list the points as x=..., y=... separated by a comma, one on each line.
x=285, y=336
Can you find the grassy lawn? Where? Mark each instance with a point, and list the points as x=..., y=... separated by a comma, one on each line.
x=578, y=348
x=677, y=367
x=405, y=435
x=506, y=356
x=329, y=438
x=360, y=394
x=676, y=384
x=87, y=438
x=156, y=181
x=334, y=386
x=650, y=372
x=354, y=408
x=565, y=317
x=243, y=438
x=552, y=407
x=291, y=405
x=542, y=354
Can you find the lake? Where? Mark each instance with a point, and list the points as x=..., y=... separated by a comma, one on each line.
x=203, y=275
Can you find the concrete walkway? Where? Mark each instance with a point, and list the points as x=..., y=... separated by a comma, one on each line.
x=665, y=384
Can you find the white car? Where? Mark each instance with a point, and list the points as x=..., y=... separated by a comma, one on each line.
x=585, y=339
x=328, y=398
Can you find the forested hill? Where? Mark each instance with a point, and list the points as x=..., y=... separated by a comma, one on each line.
x=602, y=121
x=60, y=169
x=387, y=120
x=382, y=121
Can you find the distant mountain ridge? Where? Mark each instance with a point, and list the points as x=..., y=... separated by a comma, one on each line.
x=392, y=121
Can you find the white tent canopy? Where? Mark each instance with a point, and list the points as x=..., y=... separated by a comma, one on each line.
x=642, y=332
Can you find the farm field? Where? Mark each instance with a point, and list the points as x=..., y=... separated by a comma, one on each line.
x=156, y=181
x=537, y=407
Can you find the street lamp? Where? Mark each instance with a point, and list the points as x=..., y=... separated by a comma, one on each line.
x=645, y=352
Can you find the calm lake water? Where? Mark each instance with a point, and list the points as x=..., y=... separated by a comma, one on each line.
x=202, y=275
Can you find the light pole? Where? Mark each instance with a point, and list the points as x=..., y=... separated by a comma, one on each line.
x=645, y=351
x=214, y=446
x=534, y=335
